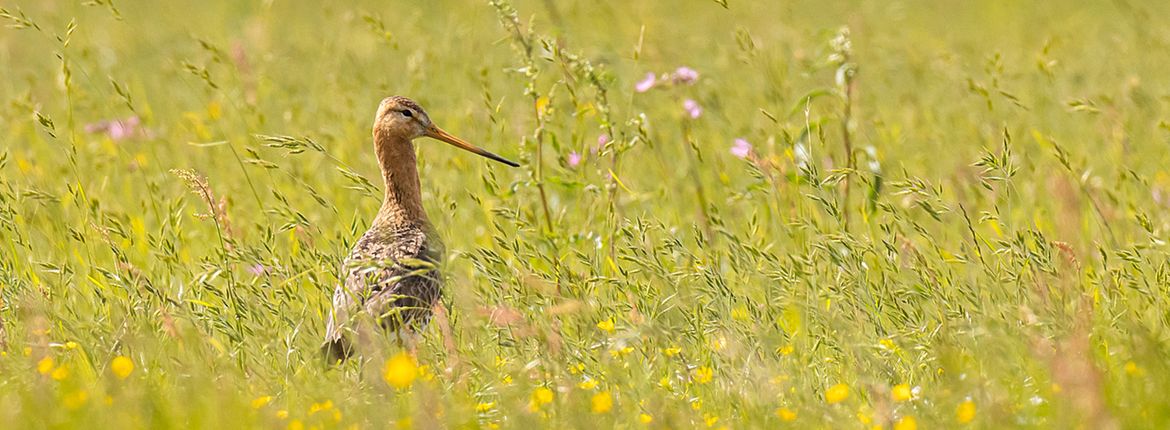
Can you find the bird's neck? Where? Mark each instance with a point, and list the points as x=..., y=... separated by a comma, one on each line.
x=402, y=205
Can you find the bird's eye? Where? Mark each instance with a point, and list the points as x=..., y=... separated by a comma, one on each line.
x=406, y=113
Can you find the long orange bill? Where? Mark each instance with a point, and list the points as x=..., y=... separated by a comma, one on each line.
x=438, y=133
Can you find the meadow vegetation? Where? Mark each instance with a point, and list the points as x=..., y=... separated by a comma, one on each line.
x=730, y=214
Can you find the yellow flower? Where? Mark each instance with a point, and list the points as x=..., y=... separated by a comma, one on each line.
x=902, y=393
x=60, y=373
x=717, y=344
x=401, y=371
x=259, y=402
x=710, y=419
x=542, y=396
x=75, y=399
x=282, y=414
x=485, y=407
x=45, y=365
x=645, y=418
x=906, y=423
x=696, y=404
x=704, y=374
x=1133, y=369
x=213, y=110
x=606, y=325
x=966, y=412
x=672, y=351
x=425, y=373
x=665, y=383
x=740, y=313
x=296, y=425
x=323, y=406
x=122, y=367
x=786, y=414
x=542, y=105
x=864, y=418
x=507, y=379
x=786, y=350
x=837, y=393
x=588, y=384
x=601, y=402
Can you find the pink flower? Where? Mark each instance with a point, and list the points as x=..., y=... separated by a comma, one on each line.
x=257, y=269
x=684, y=75
x=601, y=141
x=117, y=129
x=693, y=109
x=741, y=148
x=122, y=129
x=646, y=83
x=574, y=159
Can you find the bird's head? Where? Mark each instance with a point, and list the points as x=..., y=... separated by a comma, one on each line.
x=402, y=119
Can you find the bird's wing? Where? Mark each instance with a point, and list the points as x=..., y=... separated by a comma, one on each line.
x=387, y=273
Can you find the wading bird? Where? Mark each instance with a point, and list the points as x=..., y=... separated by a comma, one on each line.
x=391, y=278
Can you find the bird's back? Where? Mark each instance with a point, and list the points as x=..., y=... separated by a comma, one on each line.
x=391, y=277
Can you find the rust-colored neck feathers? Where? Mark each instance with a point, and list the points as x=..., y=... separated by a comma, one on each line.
x=402, y=206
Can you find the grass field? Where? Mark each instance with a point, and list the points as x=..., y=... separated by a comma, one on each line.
x=764, y=214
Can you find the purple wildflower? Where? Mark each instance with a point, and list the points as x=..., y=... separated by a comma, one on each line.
x=684, y=75
x=574, y=159
x=646, y=83
x=742, y=148
x=693, y=109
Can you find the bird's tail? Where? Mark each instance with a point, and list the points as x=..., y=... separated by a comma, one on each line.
x=337, y=345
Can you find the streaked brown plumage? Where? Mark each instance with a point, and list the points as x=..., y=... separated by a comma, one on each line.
x=391, y=276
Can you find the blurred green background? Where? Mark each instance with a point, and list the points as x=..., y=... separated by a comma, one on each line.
x=179, y=184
